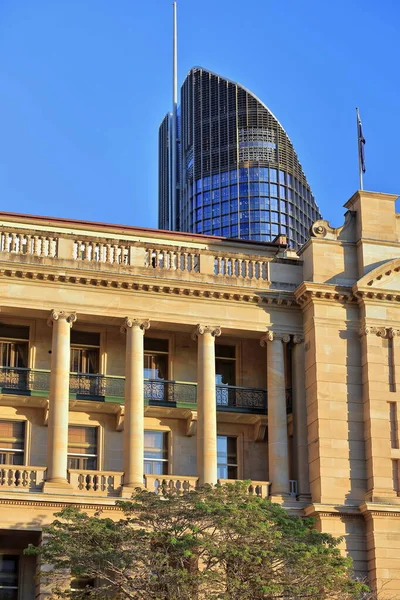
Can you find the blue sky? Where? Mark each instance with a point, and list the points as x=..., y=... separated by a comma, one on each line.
x=84, y=85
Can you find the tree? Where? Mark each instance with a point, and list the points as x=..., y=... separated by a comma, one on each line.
x=215, y=543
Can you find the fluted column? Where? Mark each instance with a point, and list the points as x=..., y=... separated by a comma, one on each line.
x=278, y=451
x=206, y=404
x=57, y=436
x=300, y=418
x=134, y=404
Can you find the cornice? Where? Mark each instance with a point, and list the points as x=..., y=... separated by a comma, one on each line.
x=363, y=295
x=60, y=504
x=152, y=285
x=322, y=292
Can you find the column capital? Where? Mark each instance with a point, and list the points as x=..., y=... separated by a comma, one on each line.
x=271, y=336
x=57, y=315
x=129, y=323
x=298, y=338
x=379, y=331
x=202, y=329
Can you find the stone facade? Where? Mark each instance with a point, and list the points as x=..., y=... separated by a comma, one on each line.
x=259, y=364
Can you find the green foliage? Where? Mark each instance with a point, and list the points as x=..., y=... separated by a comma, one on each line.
x=216, y=543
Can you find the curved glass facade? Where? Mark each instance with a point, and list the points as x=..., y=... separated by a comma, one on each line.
x=240, y=175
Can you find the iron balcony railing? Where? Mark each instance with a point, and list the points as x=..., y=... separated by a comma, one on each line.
x=20, y=379
x=156, y=391
x=249, y=399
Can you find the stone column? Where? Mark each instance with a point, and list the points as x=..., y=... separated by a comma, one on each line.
x=300, y=418
x=57, y=435
x=278, y=451
x=206, y=404
x=134, y=405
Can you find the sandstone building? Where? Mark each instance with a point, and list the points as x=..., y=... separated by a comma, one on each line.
x=133, y=356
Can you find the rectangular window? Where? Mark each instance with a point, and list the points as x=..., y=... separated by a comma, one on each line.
x=227, y=457
x=12, y=442
x=155, y=358
x=9, y=577
x=225, y=364
x=155, y=453
x=85, y=352
x=82, y=448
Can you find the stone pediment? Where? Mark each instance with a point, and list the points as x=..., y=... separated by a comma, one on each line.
x=382, y=280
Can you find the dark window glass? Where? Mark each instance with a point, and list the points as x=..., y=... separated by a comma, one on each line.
x=198, y=214
x=85, y=338
x=243, y=189
x=215, y=181
x=244, y=203
x=234, y=205
x=216, y=231
x=234, y=191
x=225, y=220
x=216, y=222
x=234, y=230
x=234, y=219
x=254, y=189
x=254, y=215
x=225, y=193
x=14, y=355
x=206, y=198
x=216, y=210
x=254, y=227
x=244, y=229
x=207, y=224
x=244, y=217
x=206, y=183
x=198, y=185
x=14, y=332
x=243, y=175
x=207, y=212
x=273, y=189
x=225, y=231
x=84, y=360
x=155, y=344
x=215, y=195
x=198, y=200
x=225, y=208
x=9, y=576
x=234, y=176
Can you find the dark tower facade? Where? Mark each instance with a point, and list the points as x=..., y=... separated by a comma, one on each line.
x=240, y=175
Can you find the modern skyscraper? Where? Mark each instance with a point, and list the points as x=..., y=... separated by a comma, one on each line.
x=231, y=170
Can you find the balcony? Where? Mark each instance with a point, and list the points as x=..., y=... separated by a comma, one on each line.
x=106, y=388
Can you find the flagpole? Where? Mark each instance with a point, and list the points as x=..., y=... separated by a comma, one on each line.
x=360, y=171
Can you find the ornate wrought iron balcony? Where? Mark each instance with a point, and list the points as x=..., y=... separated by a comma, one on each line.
x=157, y=392
x=20, y=380
x=244, y=399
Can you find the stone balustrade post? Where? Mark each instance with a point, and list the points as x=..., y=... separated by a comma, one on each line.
x=134, y=405
x=57, y=436
x=206, y=404
x=278, y=450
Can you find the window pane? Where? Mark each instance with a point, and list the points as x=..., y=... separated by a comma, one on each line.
x=12, y=442
x=8, y=576
x=155, y=366
x=82, y=447
x=155, y=445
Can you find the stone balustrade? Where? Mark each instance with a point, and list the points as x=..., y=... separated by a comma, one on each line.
x=21, y=478
x=101, y=252
x=172, y=260
x=170, y=483
x=169, y=256
x=14, y=242
x=246, y=267
x=99, y=483
x=258, y=488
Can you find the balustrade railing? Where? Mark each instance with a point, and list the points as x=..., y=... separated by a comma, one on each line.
x=20, y=379
x=248, y=268
x=88, y=384
x=102, y=252
x=100, y=483
x=258, y=488
x=172, y=260
x=21, y=477
x=229, y=396
x=26, y=243
x=158, y=390
x=170, y=483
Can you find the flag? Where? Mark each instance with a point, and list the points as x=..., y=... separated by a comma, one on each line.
x=361, y=143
